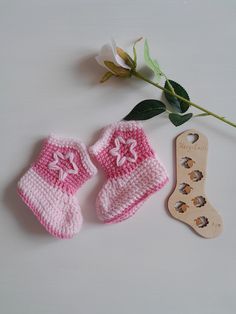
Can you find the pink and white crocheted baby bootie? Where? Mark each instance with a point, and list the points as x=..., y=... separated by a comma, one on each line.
x=49, y=186
x=131, y=167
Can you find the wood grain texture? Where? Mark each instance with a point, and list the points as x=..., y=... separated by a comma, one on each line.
x=189, y=203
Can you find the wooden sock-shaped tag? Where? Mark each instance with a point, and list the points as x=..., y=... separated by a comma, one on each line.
x=189, y=202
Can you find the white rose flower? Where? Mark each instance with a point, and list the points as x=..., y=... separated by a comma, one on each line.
x=109, y=52
x=115, y=60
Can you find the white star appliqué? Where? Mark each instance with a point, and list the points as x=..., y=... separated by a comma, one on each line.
x=63, y=173
x=120, y=160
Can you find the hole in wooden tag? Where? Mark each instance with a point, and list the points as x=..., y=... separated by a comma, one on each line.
x=192, y=138
x=181, y=207
x=199, y=201
x=196, y=175
x=187, y=162
x=201, y=221
x=185, y=188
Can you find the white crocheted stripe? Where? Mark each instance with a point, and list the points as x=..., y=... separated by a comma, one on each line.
x=108, y=131
x=61, y=141
x=123, y=192
x=63, y=173
x=48, y=202
x=32, y=181
x=115, y=151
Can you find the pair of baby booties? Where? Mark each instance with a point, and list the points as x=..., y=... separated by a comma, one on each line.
x=132, y=170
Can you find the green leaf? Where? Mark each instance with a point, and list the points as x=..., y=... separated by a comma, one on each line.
x=146, y=109
x=124, y=55
x=152, y=64
x=178, y=119
x=117, y=70
x=177, y=104
x=106, y=77
x=134, y=50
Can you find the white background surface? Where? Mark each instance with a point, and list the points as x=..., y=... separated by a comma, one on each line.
x=49, y=83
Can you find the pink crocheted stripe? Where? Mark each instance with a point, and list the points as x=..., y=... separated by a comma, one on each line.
x=107, y=133
x=47, y=226
x=127, y=131
x=129, y=211
x=81, y=159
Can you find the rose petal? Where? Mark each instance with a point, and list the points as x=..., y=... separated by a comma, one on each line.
x=106, y=54
x=118, y=59
x=109, y=53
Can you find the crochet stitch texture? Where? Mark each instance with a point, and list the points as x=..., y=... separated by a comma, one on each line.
x=131, y=167
x=49, y=186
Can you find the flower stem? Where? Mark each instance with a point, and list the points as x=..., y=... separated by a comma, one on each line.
x=141, y=77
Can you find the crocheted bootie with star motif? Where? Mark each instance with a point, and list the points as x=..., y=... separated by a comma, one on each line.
x=132, y=169
x=49, y=186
